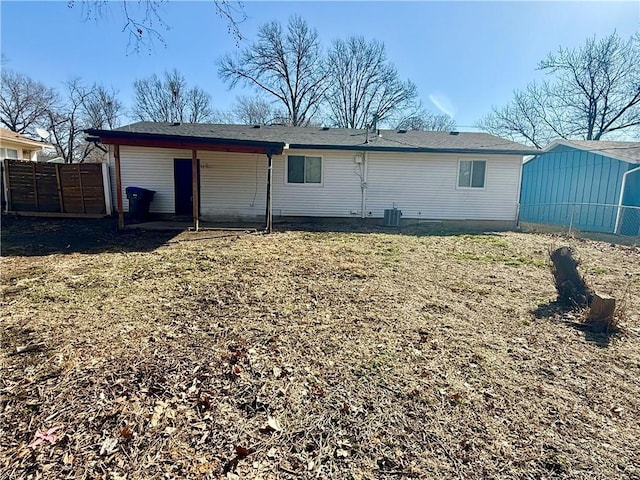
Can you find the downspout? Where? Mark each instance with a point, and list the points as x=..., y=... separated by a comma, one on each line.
x=519, y=194
x=363, y=185
x=624, y=181
x=269, y=211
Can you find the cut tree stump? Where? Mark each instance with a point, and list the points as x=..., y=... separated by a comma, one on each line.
x=572, y=290
x=601, y=315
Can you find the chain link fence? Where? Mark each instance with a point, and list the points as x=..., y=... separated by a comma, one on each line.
x=615, y=223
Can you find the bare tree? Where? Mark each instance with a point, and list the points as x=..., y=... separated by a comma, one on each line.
x=364, y=84
x=168, y=99
x=143, y=20
x=254, y=111
x=594, y=93
x=421, y=119
x=81, y=107
x=102, y=109
x=288, y=66
x=24, y=103
x=65, y=123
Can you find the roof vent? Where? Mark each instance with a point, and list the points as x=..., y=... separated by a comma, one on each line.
x=256, y=126
x=454, y=133
x=325, y=128
x=402, y=130
x=175, y=124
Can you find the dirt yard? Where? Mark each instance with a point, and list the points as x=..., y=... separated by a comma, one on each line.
x=338, y=355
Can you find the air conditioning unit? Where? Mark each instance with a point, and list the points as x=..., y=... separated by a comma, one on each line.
x=392, y=217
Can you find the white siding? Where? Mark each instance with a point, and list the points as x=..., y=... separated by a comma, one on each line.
x=232, y=186
x=150, y=168
x=425, y=186
x=339, y=195
x=21, y=153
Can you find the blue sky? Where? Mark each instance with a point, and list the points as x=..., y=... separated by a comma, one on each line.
x=463, y=56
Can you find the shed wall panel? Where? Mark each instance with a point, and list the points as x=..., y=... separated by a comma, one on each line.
x=570, y=186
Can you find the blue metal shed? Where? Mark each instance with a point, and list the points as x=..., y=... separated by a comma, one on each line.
x=585, y=184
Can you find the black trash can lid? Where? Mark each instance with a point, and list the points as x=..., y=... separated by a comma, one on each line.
x=135, y=190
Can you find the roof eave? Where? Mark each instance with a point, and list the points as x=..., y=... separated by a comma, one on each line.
x=118, y=137
x=374, y=148
x=25, y=142
x=567, y=143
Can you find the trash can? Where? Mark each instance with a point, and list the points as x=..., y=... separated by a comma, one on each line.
x=139, y=202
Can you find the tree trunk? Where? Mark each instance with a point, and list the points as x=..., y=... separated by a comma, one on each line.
x=601, y=315
x=573, y=292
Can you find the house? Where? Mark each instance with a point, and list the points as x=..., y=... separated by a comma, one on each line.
x=258, y=172
x=587, y=184
x=15, y=146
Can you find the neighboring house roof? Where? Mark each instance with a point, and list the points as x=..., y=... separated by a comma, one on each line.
x=7, y=136
x=322, y=138
x=624, y=151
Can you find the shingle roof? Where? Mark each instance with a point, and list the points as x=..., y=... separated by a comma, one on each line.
x=337, y=138
x=11, y=136
x=625, y=151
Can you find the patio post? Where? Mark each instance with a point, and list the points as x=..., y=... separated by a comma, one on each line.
x=116, y=156
x=269, y=212
x=194, y=189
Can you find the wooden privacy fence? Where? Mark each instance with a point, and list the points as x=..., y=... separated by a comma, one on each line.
x=50, y=189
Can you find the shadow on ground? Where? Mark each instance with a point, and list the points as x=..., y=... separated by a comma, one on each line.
x=563, y=231
x=414, y=230
x=29, y=236
x=559, y=313
x=35, y=236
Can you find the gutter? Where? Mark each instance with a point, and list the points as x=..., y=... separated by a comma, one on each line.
x=112, y=136
x=373, y=148
x=624, y=181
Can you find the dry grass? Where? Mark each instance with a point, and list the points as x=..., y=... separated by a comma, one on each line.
x=316, y=355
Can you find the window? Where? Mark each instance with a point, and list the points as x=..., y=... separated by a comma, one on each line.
x=301, y=169
x=12, y=153
x=471, y=173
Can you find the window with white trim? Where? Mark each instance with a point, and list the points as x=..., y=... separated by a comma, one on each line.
x=12, y=153
x=471, y=173
x=303, y=169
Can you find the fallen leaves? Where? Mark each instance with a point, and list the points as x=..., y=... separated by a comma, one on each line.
x=242, y=451
x=49, y=436
x=109, y=446
x=242, y=361
x=273, y=425
x=126, y=432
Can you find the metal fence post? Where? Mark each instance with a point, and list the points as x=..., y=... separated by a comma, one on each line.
x=572, y=208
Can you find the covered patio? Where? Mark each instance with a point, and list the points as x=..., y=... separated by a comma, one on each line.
x=194, y=144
